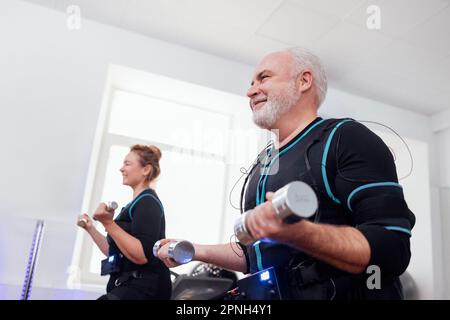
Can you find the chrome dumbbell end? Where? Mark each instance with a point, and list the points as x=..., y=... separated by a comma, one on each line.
x=156, y=247
x=240, y=229
x=180, y=251
x=295, y=200
x=111, y=205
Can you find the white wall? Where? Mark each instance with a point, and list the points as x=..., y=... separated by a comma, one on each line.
x=441, y=187
x=52, y=82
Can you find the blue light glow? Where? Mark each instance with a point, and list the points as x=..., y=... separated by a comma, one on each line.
x=264, y=276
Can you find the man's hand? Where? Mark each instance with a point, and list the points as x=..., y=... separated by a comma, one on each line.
x=103, y=215
x=262, y=222
x=163, y=253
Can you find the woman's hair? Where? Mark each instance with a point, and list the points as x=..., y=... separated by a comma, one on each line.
x=148, y=155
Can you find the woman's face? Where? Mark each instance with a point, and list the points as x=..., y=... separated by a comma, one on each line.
x=133, y=173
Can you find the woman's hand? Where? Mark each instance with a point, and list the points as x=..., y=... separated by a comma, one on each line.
x=103, y=215
x=85, y=222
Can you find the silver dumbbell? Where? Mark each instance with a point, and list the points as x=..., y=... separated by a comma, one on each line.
x=82, y=222
x=110, y=206
x=294, y=199
x=180, y=251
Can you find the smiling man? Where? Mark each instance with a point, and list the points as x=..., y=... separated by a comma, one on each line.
x=362, y=218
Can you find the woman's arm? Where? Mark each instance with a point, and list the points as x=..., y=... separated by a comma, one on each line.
x=130, y=246
x=99, y=239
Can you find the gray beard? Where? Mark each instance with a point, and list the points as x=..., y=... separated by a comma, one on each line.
x=275, y=107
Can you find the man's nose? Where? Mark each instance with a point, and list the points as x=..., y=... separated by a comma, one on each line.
x=252, y=91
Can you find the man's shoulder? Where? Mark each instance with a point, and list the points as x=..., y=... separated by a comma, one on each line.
x=349, y=126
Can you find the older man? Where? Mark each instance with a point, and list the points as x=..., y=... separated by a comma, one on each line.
x=362, y=219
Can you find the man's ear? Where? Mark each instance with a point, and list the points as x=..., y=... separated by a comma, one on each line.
x=304, y=80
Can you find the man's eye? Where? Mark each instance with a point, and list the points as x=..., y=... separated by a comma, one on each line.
x=264, y=76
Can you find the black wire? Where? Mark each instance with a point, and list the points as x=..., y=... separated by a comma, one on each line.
x=403, y=141
x=231, y=245
x=246, y=172
x=368, y=181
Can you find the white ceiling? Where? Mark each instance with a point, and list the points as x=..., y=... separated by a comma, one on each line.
x=406, y=63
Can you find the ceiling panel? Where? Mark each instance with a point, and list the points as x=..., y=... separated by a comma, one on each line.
x=406, y=63
x=348, y=46
x=394, y=89
x=46, y=3
x=339, y=8
x=292, y=23
x=416, y=63
x=104, y=11
x=433, y=34
x=398, y=16
x=215, y=14
x=258, y=46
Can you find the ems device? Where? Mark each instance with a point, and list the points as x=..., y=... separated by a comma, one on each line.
x=263, y=285
x=112, y=264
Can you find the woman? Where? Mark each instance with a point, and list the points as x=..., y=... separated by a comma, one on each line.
x=134, y=272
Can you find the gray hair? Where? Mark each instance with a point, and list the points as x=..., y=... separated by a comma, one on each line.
x=306, y=59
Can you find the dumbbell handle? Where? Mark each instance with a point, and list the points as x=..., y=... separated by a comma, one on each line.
x=82, y=222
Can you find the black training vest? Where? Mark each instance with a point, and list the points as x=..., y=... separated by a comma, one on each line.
x=301, y=159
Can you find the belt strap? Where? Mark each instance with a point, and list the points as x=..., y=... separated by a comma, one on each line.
x=303, y=275
x=125, y=276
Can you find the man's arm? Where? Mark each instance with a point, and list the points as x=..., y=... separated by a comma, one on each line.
x=222, y=255
x=343, y=247
x=228, y=256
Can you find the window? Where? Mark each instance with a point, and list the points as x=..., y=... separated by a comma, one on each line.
x=203, y=140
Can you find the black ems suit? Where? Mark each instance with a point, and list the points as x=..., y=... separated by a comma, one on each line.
x=143, y=218
x=353, y=174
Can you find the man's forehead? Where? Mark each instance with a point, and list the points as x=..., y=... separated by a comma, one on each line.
x=273, y=62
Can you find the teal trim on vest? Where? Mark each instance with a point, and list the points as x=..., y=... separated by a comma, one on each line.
x=139, y=198
x=266, y=171
x=370, y=185
x=394, y=228
x=324, y=162
x=258, y=255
